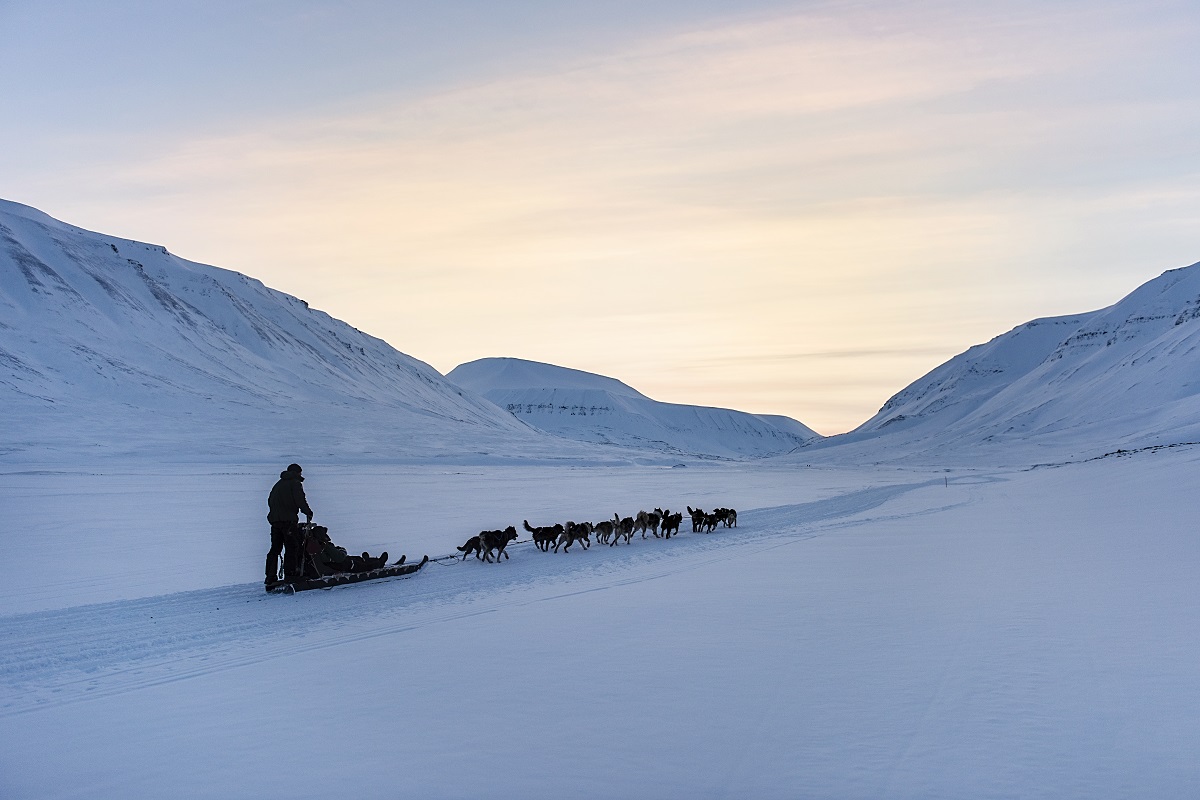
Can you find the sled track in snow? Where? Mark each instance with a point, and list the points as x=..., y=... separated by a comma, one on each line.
x=70, y=655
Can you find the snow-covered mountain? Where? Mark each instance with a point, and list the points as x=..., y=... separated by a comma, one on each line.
x=111, y=347
x=1123, y=377
x=593, y=408
x=115, y=347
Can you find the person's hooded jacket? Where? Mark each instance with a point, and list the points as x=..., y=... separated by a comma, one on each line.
x=287, y=500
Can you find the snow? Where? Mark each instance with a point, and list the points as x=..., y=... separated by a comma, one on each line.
x=594, y=408
x=509, y=374
x=118, y=349
x=875, y=632
x=988, y=590
x=113, y=349
x=1088, y=384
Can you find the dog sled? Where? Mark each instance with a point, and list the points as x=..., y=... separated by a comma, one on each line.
x=326, y=571
x=343, y=578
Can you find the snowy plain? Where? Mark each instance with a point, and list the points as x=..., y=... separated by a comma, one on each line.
x=864, y=632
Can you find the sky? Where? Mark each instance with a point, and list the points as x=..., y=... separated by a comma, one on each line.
x=780, y=207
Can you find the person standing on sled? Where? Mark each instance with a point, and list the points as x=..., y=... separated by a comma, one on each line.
x=284, y=505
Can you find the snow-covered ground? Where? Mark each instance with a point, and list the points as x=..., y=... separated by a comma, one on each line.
x=871, y=632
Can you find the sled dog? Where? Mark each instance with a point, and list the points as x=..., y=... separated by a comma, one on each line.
x=670, y=523
x=575, y=532
x=647, y=520
x=544, y=537
x=472, y=546
x=623, y=527
x=603, y=531
x=490, y=541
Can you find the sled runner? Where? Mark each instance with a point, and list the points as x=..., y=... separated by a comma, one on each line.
x=340, y=578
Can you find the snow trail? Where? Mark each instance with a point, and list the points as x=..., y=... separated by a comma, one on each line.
x=71, y=655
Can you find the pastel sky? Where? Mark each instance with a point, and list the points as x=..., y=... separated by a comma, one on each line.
x=781, y=207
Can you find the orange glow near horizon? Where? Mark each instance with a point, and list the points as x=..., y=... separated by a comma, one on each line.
x=796, y=215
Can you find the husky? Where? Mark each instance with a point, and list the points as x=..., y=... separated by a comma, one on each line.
x=544, y=537
x=497, y=541
x=622, y=527
x=575, y=533
x=670, y=522
x=472, y=546
x=697, y=518
x=604, y=531
x=647, y=520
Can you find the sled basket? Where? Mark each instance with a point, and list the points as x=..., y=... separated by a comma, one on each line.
x=340, y=578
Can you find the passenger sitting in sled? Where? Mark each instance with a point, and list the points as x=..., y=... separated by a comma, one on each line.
x=327, y=557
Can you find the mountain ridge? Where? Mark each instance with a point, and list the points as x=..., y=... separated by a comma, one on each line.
x=112, y=347
x=596, y=408
x=1119, y=377
x=115, y=346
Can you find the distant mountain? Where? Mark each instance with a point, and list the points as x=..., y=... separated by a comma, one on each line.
x=1123, y=377
x=115, y=347
x=592, y=408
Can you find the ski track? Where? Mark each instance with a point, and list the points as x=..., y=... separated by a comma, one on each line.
x=66, y=656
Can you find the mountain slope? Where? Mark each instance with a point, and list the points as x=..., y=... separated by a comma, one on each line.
x=111, y=347
x=1122, y=377
x=593, y=408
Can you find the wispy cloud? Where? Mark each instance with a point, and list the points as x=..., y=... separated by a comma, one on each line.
x=853, y=185
x=825, y=355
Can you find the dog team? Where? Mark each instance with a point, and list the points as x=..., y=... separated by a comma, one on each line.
x=662, y=524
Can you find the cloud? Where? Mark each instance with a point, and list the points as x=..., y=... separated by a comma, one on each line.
x=849, y=354
x=791, y=199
